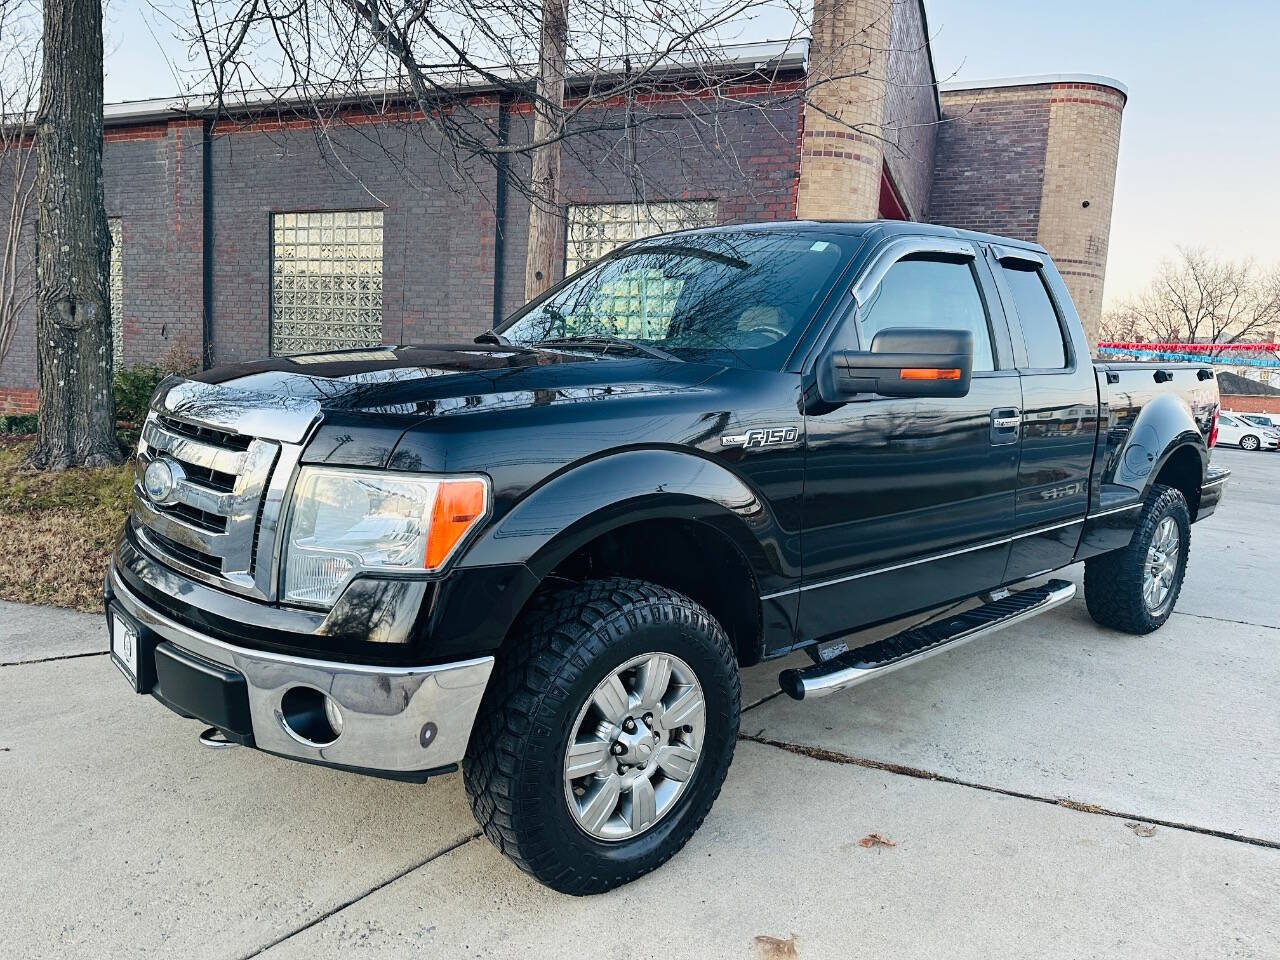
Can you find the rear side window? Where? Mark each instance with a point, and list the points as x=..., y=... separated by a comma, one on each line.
x=929, y=294
x=1041, y=328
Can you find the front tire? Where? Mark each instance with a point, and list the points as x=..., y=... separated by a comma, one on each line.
x=605, y=735
x=1250, y=443
x=1135, y=589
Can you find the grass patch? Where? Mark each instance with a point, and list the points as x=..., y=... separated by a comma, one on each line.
x=57, y=530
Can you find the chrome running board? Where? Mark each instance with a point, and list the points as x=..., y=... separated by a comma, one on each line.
x=921, y=643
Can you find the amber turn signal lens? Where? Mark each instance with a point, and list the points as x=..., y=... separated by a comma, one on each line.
x=460, y=505
x=929, y=373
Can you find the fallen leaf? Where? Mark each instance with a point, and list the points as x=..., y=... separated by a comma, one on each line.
x=1081, y=807
x=1142, y=829
x=775, y=948
x=875, y=840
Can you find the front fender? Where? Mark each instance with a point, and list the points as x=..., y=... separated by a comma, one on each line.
x=589, y=499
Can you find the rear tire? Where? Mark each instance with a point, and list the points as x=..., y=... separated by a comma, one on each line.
x=1136, y=588
x=578, y=655
x=1250, y=443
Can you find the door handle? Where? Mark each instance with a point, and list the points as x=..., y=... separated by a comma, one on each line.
x=1005, y=424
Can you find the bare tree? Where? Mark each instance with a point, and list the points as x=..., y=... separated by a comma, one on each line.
x=546, y=227
x=76, y=424
x=1201, y=298
x=19, y=86
x=1120, y=325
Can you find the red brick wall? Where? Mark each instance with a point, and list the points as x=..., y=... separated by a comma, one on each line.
x=17, y=400
x=988, y=171
x=910, y=110
x=1242, y=404
x=152, y=180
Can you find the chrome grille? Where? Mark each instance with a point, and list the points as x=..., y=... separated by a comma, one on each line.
x=215, y=511
x=237, y=451
x=193, y=431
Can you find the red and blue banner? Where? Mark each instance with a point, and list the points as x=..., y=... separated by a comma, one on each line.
x=1230, y=354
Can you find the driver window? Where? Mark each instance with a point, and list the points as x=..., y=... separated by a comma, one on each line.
x=919, y=292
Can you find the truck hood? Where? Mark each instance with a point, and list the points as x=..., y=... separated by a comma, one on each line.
x=369, y=398
x=439, y=379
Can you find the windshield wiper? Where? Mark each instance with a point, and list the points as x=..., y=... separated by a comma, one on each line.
x=609, y=340
x=493, y=336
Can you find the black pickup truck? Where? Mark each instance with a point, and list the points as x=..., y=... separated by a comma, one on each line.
x=545, y=555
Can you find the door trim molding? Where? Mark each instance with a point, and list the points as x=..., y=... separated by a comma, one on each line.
x=928, y=559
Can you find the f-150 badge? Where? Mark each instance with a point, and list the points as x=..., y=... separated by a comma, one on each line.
x=759, y=438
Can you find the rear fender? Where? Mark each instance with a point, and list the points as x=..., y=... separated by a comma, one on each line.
x=1162, y=428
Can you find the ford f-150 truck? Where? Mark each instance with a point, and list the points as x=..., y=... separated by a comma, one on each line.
x=545, y=555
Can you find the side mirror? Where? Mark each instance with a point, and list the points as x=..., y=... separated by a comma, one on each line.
x=902, y=362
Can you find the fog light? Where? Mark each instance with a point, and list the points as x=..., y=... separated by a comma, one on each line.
x=309, y=716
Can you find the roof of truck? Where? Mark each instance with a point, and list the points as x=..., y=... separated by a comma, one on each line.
x=887, y=228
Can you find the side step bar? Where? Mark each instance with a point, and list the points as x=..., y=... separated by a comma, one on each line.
x=920, y=643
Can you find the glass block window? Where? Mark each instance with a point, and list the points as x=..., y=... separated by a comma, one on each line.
x=115, y=290
x=640, y=302
x=326, y=281
x=598, y=228
x=637, y=304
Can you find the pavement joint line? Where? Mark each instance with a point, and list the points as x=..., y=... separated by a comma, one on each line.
x=1243, y=623
x=762, y=701
x=1079, y=598
x=64, y=656
x=834, y=756
x=399, y=875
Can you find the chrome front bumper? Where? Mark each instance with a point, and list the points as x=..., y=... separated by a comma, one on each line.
x=395, y=720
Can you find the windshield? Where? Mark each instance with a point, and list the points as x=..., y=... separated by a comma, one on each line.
x=726, y=297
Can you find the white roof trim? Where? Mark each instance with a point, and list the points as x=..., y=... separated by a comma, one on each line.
x=1035, y=81
x=776, y=54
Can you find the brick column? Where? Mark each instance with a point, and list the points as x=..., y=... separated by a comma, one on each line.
x=1079, y=185
x=841, y=158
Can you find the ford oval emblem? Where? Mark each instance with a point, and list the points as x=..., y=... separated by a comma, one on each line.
x=160, y=481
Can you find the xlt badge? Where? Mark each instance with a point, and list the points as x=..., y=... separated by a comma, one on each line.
x=767, y=437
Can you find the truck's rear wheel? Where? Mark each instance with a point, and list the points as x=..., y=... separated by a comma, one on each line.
x=1135, y=589
x=605, y=734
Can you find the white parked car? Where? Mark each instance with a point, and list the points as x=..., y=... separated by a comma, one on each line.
x=1267, y=421
x=1235, y=430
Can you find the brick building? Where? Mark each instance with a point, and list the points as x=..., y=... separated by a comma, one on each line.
x=239, y=238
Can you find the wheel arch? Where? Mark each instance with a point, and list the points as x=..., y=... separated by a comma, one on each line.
x=1182, y=467
x=673, y=518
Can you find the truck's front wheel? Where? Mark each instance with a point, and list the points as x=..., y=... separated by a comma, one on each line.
x=605, y=735
x=1135, y=589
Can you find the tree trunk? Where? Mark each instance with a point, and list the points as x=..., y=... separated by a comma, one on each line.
x=544, y=262
x=76, y=425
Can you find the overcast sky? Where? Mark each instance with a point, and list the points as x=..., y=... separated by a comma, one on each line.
x=1200, y=146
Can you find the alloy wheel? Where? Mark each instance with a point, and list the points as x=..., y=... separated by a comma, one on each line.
x=1161, y=566
x=634, y=747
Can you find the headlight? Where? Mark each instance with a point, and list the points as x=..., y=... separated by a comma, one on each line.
x=344, y=522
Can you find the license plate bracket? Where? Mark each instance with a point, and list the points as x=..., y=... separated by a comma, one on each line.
x=126, y=643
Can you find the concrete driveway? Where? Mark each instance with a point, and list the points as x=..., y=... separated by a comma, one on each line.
x=1054, y=790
